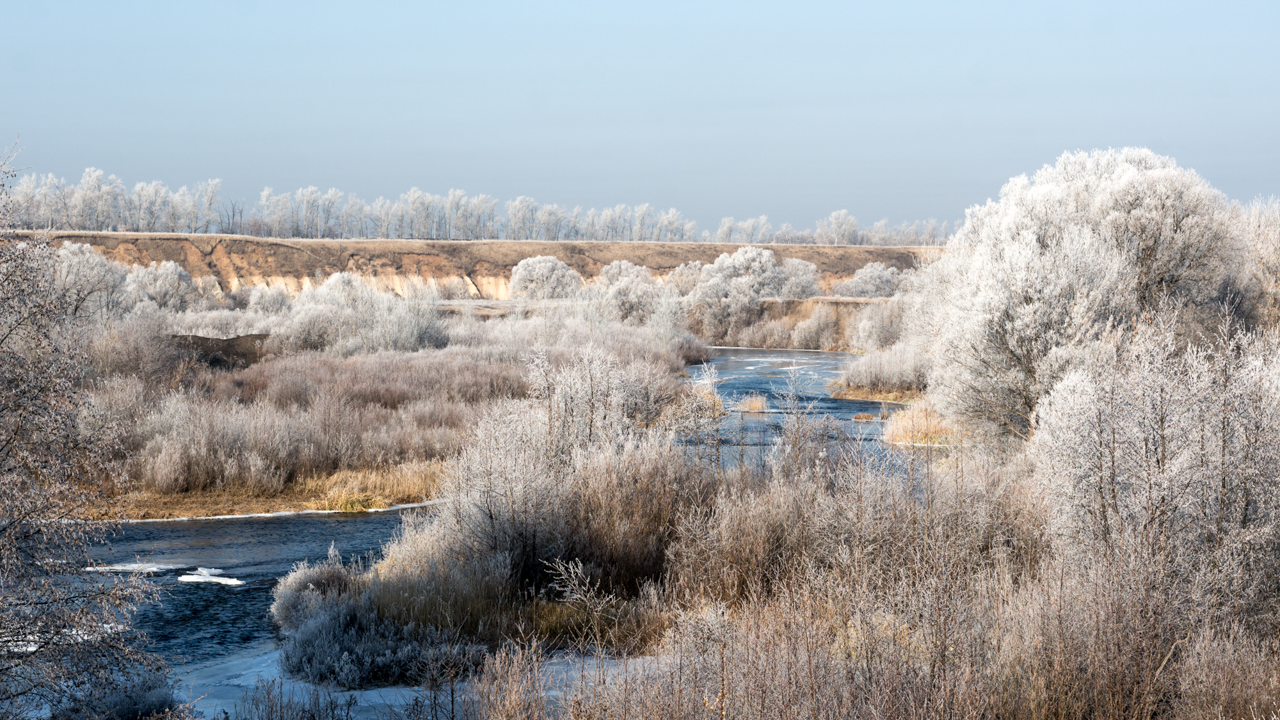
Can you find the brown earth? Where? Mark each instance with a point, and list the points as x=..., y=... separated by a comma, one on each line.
x=484, y=266
x=229, y=354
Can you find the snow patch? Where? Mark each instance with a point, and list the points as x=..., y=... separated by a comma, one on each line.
x=209, y=575
x=138, y=567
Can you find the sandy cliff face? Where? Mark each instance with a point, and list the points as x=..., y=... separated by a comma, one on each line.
x=484, y=267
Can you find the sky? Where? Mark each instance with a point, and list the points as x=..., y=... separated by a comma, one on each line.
x=900, y=111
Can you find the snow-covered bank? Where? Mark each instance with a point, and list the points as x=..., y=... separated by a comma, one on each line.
x=216, y=686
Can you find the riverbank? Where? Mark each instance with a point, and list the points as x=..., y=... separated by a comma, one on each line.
x=900, y=397
x=343, y=491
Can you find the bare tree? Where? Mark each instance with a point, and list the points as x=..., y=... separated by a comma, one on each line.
x=62, y=628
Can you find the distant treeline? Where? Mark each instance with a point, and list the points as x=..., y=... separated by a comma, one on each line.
x=102, y=202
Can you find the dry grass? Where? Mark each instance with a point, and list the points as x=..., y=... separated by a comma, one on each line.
x=355, y=490
x=345, y=491
x=869, y=394
x=753, y=403
x=919, y=425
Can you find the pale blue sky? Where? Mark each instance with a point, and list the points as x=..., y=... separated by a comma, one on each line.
x=892, y=110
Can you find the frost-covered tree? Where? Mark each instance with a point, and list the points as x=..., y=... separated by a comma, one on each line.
x=840, y=228
x=1095, y=240
x=1259, y=224
x=544, y=278
x=100, y=202
x=62, y=627
x=684, y=278
x=1174, y=452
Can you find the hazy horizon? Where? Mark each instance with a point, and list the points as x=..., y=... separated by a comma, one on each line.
x=905, y=114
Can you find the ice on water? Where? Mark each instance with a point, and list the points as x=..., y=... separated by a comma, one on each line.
x=209, y=575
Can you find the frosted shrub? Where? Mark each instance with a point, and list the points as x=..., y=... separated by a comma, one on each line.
x=727, y=296
x=820, y=331
x=878, y=325
x=268, y=300
x=563, y=476
x=562, y=333
x=801, y=280
x=103, y=288
x=170, y=287
x=628, y=294
x=333, y=634
x=344, y=642
x=764, y=334
x=900, y=367
x=544, y=278
x=225, y=324
x=344, y=315
x=752, y=540
x=690, y=349
x=684, y=278
x=872, y=280
x=347, y=316
x=297, y=594
x=1228, y=674
x=136, y=345
x=142, y=694
x=867, y=585
x=311, y=326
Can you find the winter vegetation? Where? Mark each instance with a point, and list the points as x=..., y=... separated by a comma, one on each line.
x=1078, y=522
x=65, y=635
x=1080, y=517
x=874, y=280
x=102, y=202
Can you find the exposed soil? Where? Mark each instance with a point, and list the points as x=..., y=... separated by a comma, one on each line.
x=483, y=265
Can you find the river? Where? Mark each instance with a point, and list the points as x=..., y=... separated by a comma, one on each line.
x=213, y=623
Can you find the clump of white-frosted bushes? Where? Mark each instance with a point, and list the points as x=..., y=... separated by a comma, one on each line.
x=333, y=636
x=873, y=280
x=896, y=368
x=544, y=278
x=720, y=302
x=344, y=314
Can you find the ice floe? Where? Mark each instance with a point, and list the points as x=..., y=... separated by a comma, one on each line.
x=136, y=567
x=209, y=575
